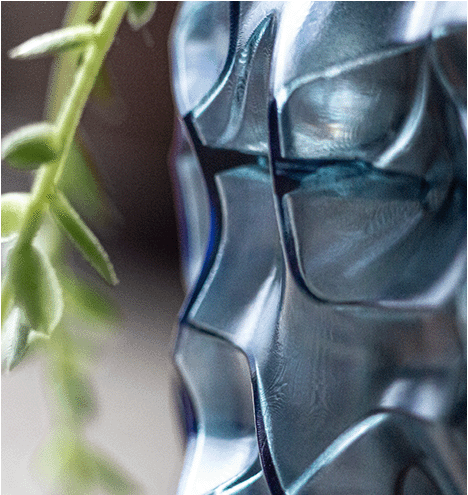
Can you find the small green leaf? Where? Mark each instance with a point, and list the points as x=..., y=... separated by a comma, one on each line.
x=76, y=393
x=65, y=63
x=82, y=185
x=55, y=41
x=31, y=146
x=140, y=13
x=14, y=340
x=13, y=208
x=81, y=477
x=82, y=237
x=8, y=297
x=54, y=456
x=65, y=465
x=36, y=288
x=89, y=300
x=49, y=240
x=111, y=479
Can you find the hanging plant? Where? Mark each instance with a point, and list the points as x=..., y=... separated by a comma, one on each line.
x=38, y=288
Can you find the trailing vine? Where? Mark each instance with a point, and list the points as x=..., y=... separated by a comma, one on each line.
x=39, y=291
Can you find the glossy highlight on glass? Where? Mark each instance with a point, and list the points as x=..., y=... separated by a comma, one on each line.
x=320, y=173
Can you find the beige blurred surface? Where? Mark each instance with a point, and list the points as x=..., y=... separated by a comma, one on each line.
x=137, y=423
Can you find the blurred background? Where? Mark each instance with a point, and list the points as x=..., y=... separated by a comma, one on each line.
x=129, y=141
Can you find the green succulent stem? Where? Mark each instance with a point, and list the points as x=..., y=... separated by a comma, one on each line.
x=69, y=118
x=37, y=287
x=7, y=300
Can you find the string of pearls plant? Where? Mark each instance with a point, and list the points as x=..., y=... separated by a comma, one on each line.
x=36, y=286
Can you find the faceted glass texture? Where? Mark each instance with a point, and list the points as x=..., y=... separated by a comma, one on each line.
x=320, y=173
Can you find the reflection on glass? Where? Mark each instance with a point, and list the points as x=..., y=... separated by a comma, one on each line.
x=322, y=186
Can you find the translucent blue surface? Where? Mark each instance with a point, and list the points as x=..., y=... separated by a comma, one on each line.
x=322, y=196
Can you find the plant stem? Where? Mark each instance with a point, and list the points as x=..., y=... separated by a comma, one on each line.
x=7, y=300
x=69, y=117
